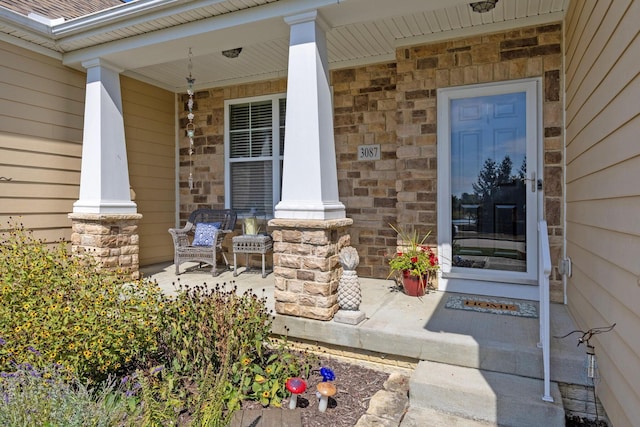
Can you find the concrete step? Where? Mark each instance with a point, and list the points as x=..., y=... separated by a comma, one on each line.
x=427, y=417
x=485, y=396
x=423, y=329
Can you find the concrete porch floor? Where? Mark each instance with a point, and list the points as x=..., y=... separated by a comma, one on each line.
x=400, y=330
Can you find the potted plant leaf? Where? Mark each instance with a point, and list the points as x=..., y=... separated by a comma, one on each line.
x=414, y=261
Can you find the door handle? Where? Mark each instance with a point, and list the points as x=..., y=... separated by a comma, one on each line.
x=536, y=184
x=533, y=182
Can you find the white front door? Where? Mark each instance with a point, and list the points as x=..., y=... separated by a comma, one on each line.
x=488, y=195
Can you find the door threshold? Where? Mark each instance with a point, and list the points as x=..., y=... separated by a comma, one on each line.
x=492, y=289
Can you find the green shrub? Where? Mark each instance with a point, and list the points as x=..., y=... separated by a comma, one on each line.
x=190, y=359
x=45, y=397
x=200, y=326
x=210, y=409
x=63, y=308
x=217, y=330
x=162, y=396
x=263, y=378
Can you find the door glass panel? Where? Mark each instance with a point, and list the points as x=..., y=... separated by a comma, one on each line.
x=488, y=186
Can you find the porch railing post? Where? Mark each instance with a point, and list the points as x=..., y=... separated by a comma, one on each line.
x=544, y=270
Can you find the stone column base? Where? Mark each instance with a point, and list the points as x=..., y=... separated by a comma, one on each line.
x=112, y=239
x=306, y=265
x=350, y=317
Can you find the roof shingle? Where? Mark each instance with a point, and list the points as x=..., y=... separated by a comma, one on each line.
x=59, y=9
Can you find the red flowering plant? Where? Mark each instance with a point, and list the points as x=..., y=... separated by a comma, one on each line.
x=414, y=256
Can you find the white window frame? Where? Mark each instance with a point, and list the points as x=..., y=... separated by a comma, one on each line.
x=276, y=156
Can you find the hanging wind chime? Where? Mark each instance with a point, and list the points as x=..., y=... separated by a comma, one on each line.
x=191, y=128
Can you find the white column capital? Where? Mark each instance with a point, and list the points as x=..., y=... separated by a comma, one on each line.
x=102, y=63
x=305, y=17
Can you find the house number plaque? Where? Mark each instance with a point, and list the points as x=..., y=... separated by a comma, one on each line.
x=369, y=152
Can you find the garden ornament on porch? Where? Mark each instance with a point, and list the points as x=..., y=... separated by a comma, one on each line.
x=191, y=127
x=349, y=295
x=415, y=261
x=296, y=386
x=327, y=374
x=326, y=388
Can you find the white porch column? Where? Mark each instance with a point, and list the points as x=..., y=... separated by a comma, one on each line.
x=310, y=181
x=104, y=176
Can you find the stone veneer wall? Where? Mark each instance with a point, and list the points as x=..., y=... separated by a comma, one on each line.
x=394, y=105
x=306, y=265
x=365, y=113
x=112, y=240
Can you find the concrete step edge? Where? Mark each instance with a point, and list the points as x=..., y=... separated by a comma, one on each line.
x=441, y=348
x=429, y=417
x=490, y=396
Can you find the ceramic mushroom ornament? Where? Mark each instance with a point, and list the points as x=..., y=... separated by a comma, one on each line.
x=296, y=386
x=325, y=390
x=327, y=374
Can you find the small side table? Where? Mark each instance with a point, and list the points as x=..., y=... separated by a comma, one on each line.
x=251, y=244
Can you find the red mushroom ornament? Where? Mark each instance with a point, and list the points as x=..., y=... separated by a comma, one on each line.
x=296, y=386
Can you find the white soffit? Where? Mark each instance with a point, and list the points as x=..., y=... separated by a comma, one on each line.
x=362, y=43
x=153, y=46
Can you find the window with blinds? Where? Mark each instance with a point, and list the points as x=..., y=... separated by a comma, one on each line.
x=253, y=161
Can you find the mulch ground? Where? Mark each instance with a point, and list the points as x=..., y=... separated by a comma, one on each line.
x=574, y=421
x=356, y=385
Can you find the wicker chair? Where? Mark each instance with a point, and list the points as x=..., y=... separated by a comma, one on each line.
x=183, y=238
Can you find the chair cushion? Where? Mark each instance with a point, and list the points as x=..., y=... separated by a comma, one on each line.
x=205, y=234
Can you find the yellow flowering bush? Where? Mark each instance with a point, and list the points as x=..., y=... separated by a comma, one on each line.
x=199, y=353
x=58, y=308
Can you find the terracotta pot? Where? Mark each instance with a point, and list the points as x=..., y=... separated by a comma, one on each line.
x=414, y=286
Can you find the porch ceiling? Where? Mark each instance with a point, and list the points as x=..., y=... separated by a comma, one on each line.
x=150, y=39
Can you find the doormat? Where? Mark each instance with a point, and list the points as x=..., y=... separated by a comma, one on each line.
x=492, y=305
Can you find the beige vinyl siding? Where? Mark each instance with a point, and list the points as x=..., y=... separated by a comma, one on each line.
x=41, y=123
x=602, y=67
x=150, y=132
x=41, y=119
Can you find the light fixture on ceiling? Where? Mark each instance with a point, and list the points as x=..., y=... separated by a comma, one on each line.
x=483, y=6
x=232, y=53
